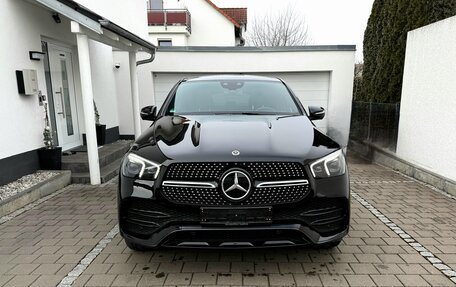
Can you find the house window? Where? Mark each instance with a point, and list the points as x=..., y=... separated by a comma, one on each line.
x=156, y=4
x=165, y=43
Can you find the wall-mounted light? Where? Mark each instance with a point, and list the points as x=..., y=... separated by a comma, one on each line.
x=36, y=55
x=56, y=18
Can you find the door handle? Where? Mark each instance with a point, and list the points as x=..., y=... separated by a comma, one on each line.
x=62, y=102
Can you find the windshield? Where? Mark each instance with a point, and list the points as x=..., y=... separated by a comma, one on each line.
x=232, y=97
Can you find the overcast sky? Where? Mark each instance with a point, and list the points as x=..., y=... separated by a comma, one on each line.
x=333, y=22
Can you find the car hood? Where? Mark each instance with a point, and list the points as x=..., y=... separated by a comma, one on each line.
x=222, y=137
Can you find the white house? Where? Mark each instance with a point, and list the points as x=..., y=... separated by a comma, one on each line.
x=195, y=23
x=74, y=66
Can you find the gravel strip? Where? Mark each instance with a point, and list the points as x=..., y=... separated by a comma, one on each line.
x=24, y=182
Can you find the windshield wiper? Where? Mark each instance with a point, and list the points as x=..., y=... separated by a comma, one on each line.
x=287, y=116
x=245, y=113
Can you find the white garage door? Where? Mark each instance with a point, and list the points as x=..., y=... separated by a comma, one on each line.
x=312, y=88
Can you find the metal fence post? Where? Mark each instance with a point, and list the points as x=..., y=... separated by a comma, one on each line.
x=369, y=123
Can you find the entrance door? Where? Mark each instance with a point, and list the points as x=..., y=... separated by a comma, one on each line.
x=61, y=68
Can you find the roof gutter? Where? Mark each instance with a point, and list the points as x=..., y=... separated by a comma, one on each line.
x=93, y=21
x=150, y=48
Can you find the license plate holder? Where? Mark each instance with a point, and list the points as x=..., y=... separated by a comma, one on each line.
x=236, y=215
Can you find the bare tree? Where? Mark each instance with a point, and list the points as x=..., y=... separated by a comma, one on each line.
x=283, y=28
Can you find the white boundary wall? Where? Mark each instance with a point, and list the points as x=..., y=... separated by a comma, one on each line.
x=427, y=125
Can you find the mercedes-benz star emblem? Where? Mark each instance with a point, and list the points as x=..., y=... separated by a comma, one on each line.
x=235, y=152
x=236, y=185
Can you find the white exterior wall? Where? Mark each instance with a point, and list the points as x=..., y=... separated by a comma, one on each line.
x=427, y=118
x=338, y=63
x=132, y=17
x=209, y=26
x=23, y=25
x=21, y=118
x=177, y=34
x=131, y=14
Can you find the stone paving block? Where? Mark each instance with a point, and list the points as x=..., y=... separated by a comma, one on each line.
x=5, y=267
x=47, y=258
x=266, y=267
x=242, y=267
x=100, y=280
x=170, y=267
x=333, y=280
x=178, y=279
x=46, y=281
x=412, y=280
x=345, y=258
x=23, y=269
x=208, y=256
x=359, y=280
x=281, y=280
x=47, y=269
x=21, y=280
x=229, y=279
x=194, y=267
x=218, y=267
x=339, y=268
x=20, y=259
x=126, y=280
x=386, y=280
x=152, y=279
x=204, y=278
x=255, y=279
x=290, y=267
x=364, y=268
x=413, y=258
x=126, y=268
x=117, y=258
x=97, y=268
x=388, y=269
x=315, y=268
x=368, y=258
x=437, y=280
x=70, y=258
x=307, y=280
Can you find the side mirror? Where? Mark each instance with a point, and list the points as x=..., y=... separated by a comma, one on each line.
x=149, y=113
x=316, y=113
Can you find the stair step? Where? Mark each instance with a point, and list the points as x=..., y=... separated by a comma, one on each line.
x=79, y=162
x=106, y=173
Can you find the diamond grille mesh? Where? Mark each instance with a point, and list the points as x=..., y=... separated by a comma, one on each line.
x=264, y=171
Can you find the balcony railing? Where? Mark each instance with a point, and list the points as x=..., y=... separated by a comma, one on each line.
x=170, y=18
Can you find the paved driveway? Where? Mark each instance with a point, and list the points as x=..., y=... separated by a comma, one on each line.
x=402, y=234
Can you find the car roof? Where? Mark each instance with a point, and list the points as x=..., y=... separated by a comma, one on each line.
x=233, y=77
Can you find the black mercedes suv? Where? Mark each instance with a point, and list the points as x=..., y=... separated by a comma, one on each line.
x=233, y=161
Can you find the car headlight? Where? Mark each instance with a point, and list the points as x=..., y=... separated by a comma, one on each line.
x=330, y=165
x=138, y=167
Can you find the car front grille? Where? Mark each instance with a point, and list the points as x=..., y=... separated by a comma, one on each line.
x=212, y=172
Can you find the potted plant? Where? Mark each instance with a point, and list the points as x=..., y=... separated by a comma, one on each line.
x=50, y=156
x=101, y=129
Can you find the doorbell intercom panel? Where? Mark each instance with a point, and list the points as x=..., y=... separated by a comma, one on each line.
x=27, y=82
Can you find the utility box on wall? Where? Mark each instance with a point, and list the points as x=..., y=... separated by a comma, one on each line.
x=27, y=82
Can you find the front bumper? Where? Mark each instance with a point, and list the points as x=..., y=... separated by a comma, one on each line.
x=322, y=217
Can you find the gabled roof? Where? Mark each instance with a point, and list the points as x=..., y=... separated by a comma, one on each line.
x=238, y=25
x=238, y=14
